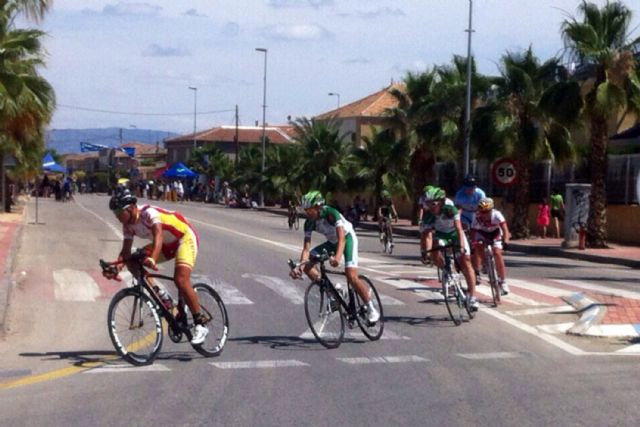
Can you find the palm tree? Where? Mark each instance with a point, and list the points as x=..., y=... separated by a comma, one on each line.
x=210, y=160
x=28, y=99
x=283, y=169
x=324, y=152
x=601, y=40
x=527, y=120
x=381, y=161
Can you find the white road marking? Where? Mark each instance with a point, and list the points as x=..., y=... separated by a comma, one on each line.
x=284, y=288
x=110, y=369
x=632, y=349
x=407, y=284
x=381, y=359
x=356, y=334
x=74, y=285
x=599, y=288
x=259, y=364
x=542, y=289
x=387, y=300
x=116, y=231
x=229, y=294
x=541, y=310
x=490, y=356
x=556, y=328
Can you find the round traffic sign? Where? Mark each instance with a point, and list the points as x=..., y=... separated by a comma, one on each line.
x=504, y=172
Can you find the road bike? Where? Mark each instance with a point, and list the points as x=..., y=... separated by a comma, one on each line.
x=135, y=316
x=454, y=295
x=387, y=236
x=293, y=219
x=327, y=309
x=489, y=264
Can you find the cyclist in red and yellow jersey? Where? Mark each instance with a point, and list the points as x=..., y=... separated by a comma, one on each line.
x=172, y=237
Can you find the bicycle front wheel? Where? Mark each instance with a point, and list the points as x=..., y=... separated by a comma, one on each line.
x=213, y=309
x=373, y=331
x=493, y=279
x=452, y=300
x=324, y=314
x=135, y=328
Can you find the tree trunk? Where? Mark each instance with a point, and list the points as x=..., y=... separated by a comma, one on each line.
x=597, y=221
x=520, y=222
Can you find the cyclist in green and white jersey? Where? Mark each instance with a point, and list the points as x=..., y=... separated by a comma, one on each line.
x=341, y=241
x=448, y=230
x=426, y=219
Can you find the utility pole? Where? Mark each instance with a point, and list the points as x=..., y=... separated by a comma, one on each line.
x=467, y=113
x=236, y=137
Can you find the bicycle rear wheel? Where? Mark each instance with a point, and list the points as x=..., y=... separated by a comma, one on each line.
x=296, y=223
x=213, y=308
x=324, y=314
x=135, y=328
x=373, y=331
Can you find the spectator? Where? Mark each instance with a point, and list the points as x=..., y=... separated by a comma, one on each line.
x=557, y=211
x=544, y=214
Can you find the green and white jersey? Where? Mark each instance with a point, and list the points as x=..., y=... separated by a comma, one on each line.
x=429, y=219
x=330, y=219
x=445, y=223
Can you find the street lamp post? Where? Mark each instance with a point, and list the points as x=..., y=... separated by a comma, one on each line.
x=467, y=114
x=195, y=110
x=337, y=95
x=264, y=112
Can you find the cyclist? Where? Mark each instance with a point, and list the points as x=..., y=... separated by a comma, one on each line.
x=341, y=241
x=467, y=199
x=292, y=210
x=490, y=227
x=448, y=228
x=172, y=237
x=426, y=220
x=386, y=212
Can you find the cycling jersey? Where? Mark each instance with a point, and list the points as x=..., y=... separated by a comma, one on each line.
x=445, y=226
x=428, y=218
x=179, y=239
x=386, y=209
x=488, y=229
x=468, y=204
x=327, y=223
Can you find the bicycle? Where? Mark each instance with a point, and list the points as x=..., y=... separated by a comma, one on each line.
x=293, y=218
x=454, y=295
x=327, y=309
x=135, y=316
x=489, y=263
x=387, y=236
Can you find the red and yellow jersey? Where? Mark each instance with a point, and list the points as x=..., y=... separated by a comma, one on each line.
x=174, y=225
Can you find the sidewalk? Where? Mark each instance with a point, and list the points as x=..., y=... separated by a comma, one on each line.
x=10, y=230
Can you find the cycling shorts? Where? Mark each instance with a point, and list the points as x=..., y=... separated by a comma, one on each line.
x=493, y=238
x=452, y=238
x=184, y=250
x=350, y=250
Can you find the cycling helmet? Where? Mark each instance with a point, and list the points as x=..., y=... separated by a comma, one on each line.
x=385, y=194
x=469, y=181
x=427, y=188
x=435, y=193
x=485, y=204
x=311, y=199
x=121, y=199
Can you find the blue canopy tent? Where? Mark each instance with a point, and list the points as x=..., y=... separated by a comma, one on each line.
x=50, y=165
x=179, y=170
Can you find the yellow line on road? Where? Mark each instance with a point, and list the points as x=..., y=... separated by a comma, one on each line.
x=47, y=376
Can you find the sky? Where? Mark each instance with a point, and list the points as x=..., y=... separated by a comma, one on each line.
x=134, y=61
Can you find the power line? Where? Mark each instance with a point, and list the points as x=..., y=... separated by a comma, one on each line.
x=95, y=110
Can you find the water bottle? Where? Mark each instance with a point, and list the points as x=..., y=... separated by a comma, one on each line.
x=165, y=297
x=342, y=290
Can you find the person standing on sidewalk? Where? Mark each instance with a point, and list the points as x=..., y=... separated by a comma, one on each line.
x=557, y=211
x=544, y=216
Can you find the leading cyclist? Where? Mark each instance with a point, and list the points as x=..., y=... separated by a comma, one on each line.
x=172, y=237
x=341, y=241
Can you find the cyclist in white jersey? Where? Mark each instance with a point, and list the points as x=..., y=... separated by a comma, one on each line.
x=341, y=241
x=490, y=227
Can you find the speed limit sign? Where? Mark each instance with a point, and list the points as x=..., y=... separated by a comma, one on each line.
x=504, y=172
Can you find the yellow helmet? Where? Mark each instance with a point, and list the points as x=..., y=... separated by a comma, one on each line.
x=485, y=204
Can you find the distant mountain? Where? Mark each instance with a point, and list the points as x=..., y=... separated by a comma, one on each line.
x=68, y=140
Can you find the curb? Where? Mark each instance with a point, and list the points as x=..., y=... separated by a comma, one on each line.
x=563, y=253
x=593, y=312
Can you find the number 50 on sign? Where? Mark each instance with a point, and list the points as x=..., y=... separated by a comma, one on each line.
x=504, y=172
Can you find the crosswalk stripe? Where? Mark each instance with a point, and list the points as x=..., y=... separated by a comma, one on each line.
x=623, y=293
x=381, y=359
x=259, y=364
x=74, y=285
x=541, y=310
x=229, y=294
x=489, y=356
x=542, y=289
x=356, y=334
x=284, y=288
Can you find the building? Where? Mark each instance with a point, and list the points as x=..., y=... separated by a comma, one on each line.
x=359, y=117
x=224, y=138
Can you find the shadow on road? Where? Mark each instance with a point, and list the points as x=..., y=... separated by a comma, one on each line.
x=292, y=342
x=78, y=358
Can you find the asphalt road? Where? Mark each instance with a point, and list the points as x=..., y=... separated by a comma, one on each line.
x=58, y=366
